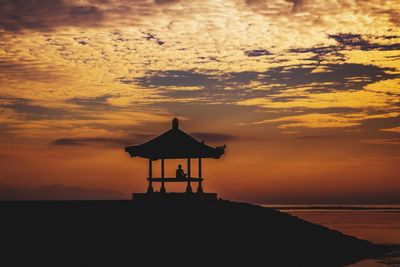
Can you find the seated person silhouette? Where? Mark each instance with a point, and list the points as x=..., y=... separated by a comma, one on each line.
x=180, y=174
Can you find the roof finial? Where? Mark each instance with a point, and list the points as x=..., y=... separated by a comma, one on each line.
x=175, y=123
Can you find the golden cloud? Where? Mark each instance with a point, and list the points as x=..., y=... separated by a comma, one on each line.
x=322, y=120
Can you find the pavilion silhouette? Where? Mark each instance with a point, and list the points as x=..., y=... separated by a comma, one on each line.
x=175, y=144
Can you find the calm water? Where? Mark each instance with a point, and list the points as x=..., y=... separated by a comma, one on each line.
x=378, y=223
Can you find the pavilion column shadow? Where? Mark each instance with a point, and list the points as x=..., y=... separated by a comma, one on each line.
x=188, y=187
x=162, y=189
x=200, y=187
x=150, y=187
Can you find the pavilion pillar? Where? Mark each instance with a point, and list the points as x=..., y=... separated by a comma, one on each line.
x=150, y=187
x=200, y=187
x=188, y=187
x=162, y=189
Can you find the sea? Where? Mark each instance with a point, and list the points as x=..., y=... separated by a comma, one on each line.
x=376, y=223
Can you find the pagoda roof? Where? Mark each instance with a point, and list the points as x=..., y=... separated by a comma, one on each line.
x=174, y=144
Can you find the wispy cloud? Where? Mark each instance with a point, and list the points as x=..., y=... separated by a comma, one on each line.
x=106, y=141
x=325, y=120
x=387, y=141
x=394, y=129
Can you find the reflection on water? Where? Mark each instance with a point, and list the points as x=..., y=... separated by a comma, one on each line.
x=375, y=226
x=392, y=260
x=379, y=224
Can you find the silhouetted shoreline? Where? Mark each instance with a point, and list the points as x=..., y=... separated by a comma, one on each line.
x=172, y=233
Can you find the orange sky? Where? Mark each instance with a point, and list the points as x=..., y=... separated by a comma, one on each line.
x=304, y=93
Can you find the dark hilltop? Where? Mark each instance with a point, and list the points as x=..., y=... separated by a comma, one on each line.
x=195, y=232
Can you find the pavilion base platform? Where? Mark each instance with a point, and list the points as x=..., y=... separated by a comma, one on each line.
x=174, y=196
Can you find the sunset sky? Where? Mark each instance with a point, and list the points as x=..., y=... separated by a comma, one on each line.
x=304, y=93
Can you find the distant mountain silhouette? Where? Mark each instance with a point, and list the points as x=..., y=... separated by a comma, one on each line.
x=57, y=192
